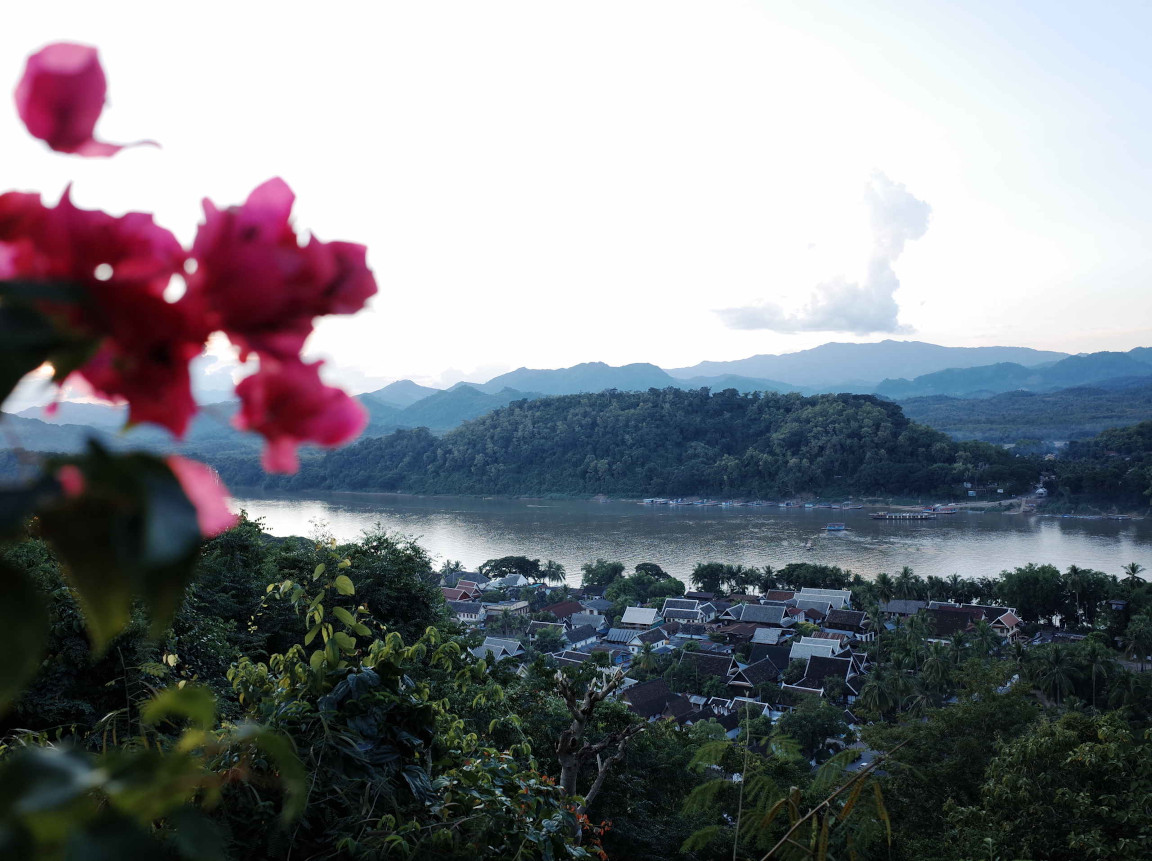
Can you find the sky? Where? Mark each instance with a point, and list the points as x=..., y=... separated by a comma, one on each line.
x=546, y=183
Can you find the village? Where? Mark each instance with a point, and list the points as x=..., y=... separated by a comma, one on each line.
x=707, y=655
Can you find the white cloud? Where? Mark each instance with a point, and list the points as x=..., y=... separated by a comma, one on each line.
x=863, y=307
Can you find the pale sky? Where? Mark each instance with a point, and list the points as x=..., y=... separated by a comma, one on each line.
x=545, y=183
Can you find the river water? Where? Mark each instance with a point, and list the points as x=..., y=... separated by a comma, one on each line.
x=573, y=532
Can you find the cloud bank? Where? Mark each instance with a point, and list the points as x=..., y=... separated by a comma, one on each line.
x=897, y=217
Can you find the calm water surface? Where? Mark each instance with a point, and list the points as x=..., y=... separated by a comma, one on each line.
x=573, y=532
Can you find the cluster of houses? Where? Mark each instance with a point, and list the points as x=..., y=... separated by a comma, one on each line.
x=730, y=646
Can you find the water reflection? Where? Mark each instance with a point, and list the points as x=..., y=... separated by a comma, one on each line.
x=573, y=532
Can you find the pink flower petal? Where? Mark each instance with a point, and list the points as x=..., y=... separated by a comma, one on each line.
x=71, y=480
x=206, y=492
x=60, y=98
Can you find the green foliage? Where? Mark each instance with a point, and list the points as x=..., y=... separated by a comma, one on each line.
x=1072, y=788
x=662, y=443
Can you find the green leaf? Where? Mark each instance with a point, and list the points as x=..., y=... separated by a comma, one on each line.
x=332, y=652
x=344, y=585
x=196, y=704
x=133, y=533
x=311, y=635
x=23, y=631
x=319, y=570
x=317, y=659
x=346, y=643
x=344, y=616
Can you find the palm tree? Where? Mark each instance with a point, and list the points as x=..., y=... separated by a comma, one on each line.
x=985, y=639
x=1132, y=573
x=1075, y=579
x=957, y=646
x=880, y=693
x=1138, y=639
x=956, y=587
x=646, y=660
x=1056, y=673
x=1099, y=662
x=906, y=583
x=936, y=671
x=885, y=587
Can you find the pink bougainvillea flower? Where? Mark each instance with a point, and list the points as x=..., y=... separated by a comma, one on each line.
x=144, y=360
x=71, y=480
x=288, y=404
x=206, y=492
x=258, y=284
x=121, y=267
x=60, y=98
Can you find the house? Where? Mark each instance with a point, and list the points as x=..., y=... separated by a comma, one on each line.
x=512, y=581
x=655, y=638
x=692, y=632
x=770, y=636
x=1007, y=626
x=687, y=610
x=736, y=632
x=819, y=607
x=534, y=629
x=946, y=621
x=753, y=675
x=854, y=623
x=600, y=606
x=806, y=647
x=577, y=620
x=648, y=699
x=498, y=608
x=470, y=588
x=563, y=610
x=773, y=615
x=902, y=609
x=780, y=596
x=838, y=598
x=780, y=655
x=615, y=656
x=621, y=637
x=700, y=596
x=708, y=664
x=451, y=594
x=569, y=658
x=468, y=612
x=471, y=578
x=496, y=649
x=820, y=669
x=743, y=598
x=640, y=618
x=581, y=636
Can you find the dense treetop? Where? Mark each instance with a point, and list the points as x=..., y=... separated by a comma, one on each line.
x=665, y=442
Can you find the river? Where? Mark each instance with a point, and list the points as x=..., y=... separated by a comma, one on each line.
x=573, y=532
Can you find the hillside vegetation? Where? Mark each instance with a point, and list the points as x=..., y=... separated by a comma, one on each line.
x=661, y=443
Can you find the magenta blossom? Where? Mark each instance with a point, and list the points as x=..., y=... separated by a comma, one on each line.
x=122, y=266
x=260, y=286
x=287, y=404
x=61, y=96
x=206, y=492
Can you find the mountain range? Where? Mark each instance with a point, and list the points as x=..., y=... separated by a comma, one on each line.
x=926, y=378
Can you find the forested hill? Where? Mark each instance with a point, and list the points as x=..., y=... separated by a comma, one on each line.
x=667, y=442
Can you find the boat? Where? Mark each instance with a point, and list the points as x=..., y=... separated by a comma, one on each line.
x=808, y=545
x=903, y=515
x=836, y=527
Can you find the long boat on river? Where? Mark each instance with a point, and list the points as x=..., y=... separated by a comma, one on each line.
x=903, y=515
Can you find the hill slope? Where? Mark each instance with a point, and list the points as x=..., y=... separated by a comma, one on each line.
x=657, y=443
x=834, y=363
x=1007, y=376
x=1065, y=414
